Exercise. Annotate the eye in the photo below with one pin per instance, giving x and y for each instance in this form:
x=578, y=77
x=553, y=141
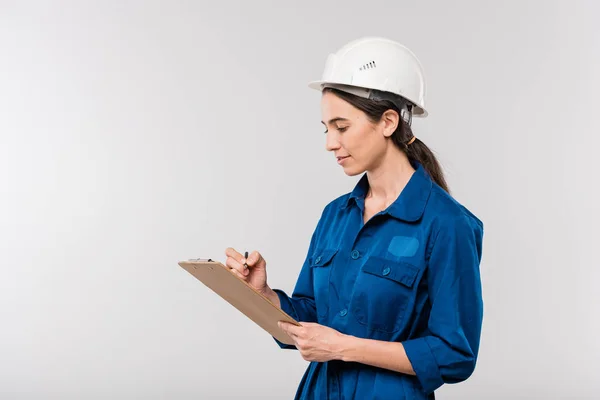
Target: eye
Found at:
x=340, y=129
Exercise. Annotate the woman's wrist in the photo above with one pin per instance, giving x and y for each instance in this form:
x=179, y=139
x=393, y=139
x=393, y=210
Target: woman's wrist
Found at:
x=271, y=295
x=346, y=347
x=378, y=353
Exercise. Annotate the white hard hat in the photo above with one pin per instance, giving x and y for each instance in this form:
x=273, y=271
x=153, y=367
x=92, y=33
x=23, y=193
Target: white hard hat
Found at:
x=372, y=67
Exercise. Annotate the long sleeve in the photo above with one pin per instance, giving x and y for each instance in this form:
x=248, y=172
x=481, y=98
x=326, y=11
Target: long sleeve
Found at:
x=448, y=353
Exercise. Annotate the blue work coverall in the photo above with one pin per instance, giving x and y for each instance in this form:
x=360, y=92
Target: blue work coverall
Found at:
x=410, y=274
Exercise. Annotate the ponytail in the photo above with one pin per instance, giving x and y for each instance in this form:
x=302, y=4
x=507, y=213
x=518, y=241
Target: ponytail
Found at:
x=418, y=151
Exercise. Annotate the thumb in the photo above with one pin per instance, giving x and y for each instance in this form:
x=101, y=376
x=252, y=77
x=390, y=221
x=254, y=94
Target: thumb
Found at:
x=283, y=325
x=254, y=258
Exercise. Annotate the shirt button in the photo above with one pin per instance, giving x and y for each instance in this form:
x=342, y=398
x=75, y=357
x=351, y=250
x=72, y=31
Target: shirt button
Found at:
x=343, y=312
x=386, y=271
x=355, y=254
x=318, y=260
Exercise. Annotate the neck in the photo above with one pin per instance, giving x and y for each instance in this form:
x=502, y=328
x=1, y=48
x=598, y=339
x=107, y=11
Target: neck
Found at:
x=389, y=178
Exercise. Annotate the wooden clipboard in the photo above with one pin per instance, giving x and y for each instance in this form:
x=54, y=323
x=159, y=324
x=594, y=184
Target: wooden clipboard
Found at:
x=241, y=295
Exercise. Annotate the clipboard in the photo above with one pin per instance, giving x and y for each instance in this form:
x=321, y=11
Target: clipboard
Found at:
x=241, y=295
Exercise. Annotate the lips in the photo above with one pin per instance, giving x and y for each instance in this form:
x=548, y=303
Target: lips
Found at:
x=340, y=160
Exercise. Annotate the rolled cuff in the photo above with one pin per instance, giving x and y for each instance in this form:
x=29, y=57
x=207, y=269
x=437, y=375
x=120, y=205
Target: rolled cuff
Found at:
x=424, y=364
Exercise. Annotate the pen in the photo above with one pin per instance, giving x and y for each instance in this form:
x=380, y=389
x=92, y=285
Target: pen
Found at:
x=246, y=258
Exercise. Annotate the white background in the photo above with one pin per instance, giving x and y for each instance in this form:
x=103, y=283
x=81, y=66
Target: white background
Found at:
x=136, y=134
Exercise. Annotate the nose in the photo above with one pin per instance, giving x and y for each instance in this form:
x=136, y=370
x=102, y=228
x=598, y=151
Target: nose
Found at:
x=331, y=142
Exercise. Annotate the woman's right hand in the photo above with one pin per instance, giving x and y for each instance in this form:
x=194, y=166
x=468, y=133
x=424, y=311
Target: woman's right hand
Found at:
x=256, y=273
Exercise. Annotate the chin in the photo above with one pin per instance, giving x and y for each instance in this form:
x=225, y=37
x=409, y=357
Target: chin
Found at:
x=353, y=171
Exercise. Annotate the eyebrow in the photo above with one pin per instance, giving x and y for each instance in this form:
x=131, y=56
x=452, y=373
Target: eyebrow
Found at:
x=331, y=121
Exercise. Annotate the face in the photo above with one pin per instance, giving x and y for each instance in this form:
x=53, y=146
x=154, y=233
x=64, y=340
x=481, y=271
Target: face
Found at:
x=358, y=144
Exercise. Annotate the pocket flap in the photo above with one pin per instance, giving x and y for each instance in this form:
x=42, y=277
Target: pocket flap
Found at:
x=398, y=271
x=322, y=257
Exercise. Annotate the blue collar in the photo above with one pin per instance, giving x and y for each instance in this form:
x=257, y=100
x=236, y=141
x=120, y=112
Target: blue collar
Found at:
x=409, y=206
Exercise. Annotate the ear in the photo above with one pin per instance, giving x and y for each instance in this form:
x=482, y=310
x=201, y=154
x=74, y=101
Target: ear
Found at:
x=390, y=120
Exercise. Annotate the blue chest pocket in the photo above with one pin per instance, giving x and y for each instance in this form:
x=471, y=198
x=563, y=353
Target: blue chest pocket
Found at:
x=321, y=267
x=384, y=290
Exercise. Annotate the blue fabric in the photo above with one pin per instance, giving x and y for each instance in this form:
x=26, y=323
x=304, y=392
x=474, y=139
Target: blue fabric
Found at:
x=359, y=279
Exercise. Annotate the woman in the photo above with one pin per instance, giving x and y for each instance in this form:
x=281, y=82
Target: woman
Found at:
x=389, y=297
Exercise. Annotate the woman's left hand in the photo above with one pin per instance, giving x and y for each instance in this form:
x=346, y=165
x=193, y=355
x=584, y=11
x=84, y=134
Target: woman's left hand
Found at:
x=314, y=341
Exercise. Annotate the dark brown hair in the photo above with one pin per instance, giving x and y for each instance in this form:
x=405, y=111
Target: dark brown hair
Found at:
x=416, y=151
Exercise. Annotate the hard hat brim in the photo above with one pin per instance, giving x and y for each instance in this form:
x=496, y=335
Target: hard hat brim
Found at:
x=318, y=85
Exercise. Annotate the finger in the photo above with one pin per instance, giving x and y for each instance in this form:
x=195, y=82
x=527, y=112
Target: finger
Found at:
x=283, y=326
x=244, y=260
x=231, y=252
x=254, y=258
x=290, y=329
x=284, y=330
x=236, y=265
x=235, y=272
